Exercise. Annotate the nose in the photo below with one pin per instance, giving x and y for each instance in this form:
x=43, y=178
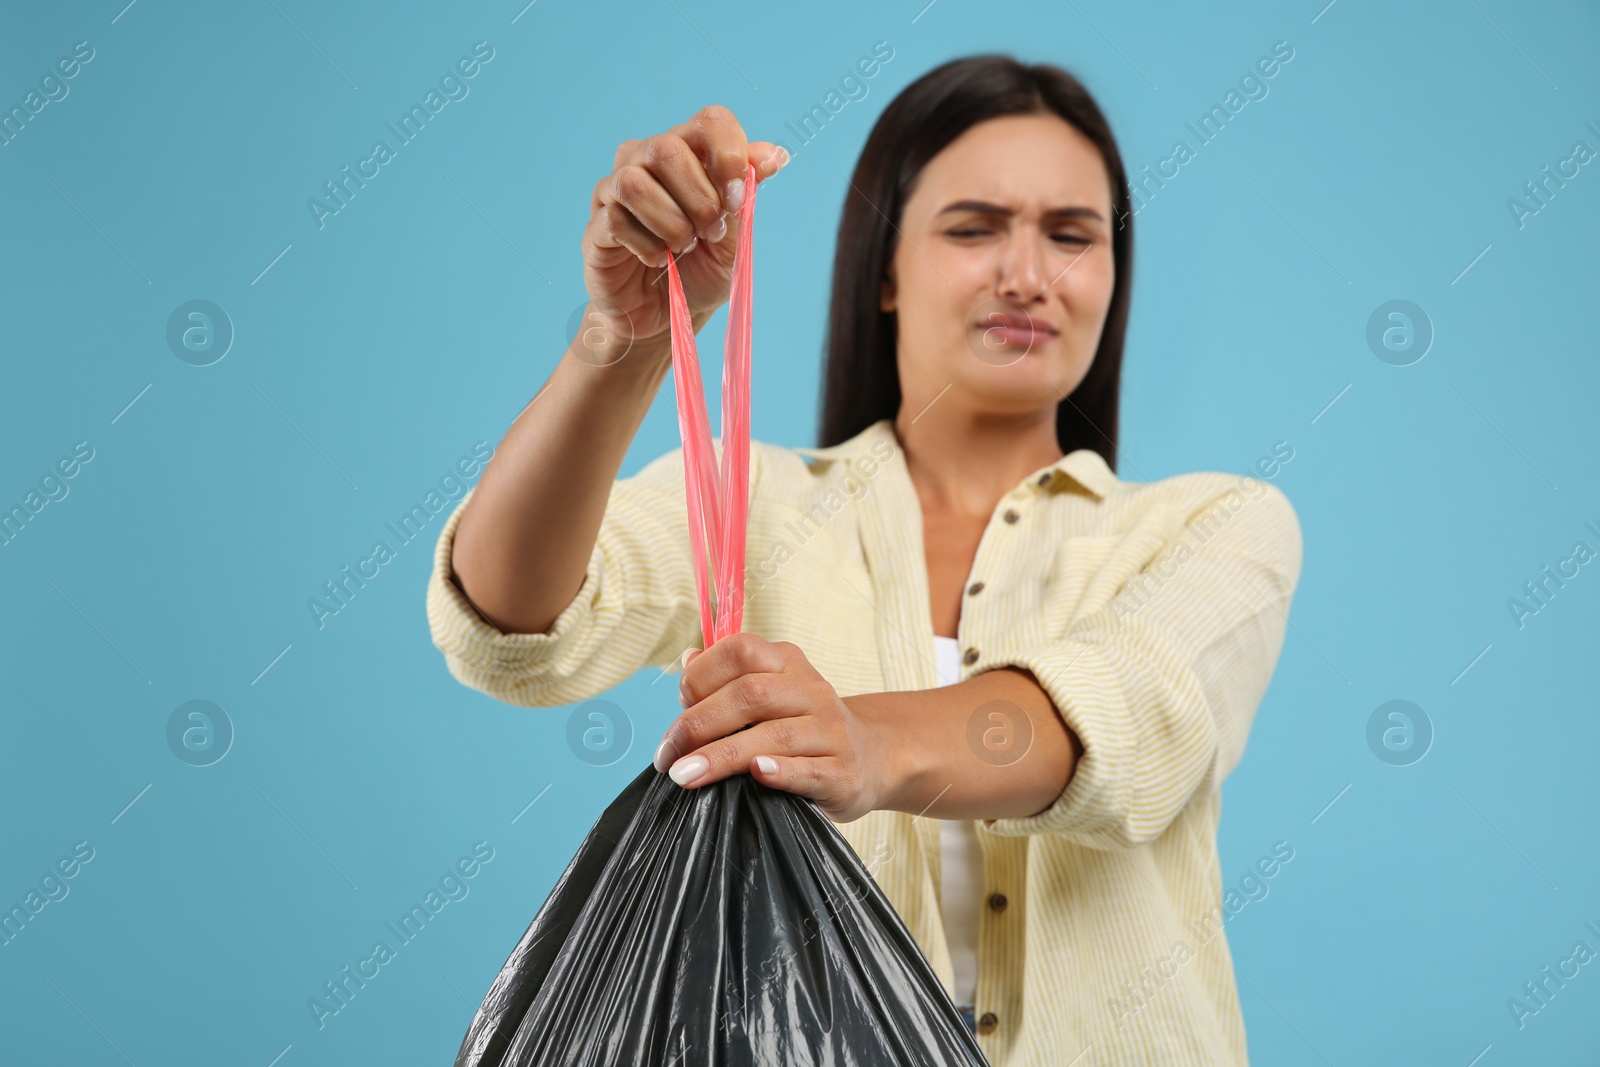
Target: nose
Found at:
x=1022, y=277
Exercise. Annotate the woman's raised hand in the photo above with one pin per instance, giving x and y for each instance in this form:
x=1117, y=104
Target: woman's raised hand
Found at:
x=678, y=190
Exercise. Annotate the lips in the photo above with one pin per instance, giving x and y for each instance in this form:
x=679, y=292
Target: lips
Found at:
x=1010, y=328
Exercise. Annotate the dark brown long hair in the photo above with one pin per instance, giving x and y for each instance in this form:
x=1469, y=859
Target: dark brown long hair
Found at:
x=861, y=380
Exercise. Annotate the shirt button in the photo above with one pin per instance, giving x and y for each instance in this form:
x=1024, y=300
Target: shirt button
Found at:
x=1011, y=515
x=997, y=902
x=987, y=1022
x=975, y=588
x=971, y=657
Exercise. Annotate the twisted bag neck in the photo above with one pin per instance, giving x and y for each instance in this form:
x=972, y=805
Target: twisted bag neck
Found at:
x=718, y=498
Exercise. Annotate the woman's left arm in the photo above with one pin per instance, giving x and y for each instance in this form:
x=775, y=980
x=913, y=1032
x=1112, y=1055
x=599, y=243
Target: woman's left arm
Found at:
x=1145, y=698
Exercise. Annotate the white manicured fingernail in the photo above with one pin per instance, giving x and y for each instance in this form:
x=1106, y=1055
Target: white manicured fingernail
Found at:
x=767, y=764
x=735, y=194
x=688, y=769
x=720, y=231
x=663, y=757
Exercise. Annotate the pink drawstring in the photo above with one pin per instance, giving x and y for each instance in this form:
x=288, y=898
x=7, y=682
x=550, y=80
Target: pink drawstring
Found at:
x=718, y=500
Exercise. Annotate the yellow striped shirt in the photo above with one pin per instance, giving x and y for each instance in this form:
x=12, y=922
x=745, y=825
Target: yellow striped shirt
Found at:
x=1152, y=613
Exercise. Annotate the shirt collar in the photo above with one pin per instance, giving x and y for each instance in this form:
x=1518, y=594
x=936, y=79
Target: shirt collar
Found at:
x=1084, y=466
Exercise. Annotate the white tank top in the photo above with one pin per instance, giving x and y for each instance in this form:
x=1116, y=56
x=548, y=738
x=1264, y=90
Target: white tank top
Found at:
x=960, y=865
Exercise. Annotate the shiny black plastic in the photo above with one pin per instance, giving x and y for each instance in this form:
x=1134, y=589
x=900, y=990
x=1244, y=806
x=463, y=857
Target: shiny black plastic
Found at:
x=730, y=925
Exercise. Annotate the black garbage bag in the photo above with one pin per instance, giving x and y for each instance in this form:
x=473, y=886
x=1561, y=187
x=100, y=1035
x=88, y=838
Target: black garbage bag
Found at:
x=730, y=925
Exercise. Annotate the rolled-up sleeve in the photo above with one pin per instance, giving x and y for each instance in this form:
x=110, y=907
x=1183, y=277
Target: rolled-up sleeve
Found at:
x=1162, y=681
x=637, y=606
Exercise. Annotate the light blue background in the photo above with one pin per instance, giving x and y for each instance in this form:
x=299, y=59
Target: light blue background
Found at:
x=424, y=316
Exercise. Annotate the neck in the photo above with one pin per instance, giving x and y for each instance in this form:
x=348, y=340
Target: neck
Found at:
x=966, y=462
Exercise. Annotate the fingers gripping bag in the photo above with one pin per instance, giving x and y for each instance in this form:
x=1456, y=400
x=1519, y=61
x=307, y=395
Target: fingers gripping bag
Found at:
x=730, y=925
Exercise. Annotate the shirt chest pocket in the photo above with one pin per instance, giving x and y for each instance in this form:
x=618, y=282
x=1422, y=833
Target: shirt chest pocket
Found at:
x=806, y=581
x=1087, y=573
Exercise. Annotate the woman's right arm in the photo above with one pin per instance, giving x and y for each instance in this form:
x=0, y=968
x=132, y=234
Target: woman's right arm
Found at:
x=526, y=534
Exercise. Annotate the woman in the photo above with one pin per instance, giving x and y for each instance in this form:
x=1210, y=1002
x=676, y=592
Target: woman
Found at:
x=1015, y=681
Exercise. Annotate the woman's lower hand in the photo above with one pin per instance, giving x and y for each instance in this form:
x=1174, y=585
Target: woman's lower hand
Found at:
x=759, y=706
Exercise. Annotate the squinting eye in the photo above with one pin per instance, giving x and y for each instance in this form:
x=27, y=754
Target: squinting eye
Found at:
x=1073, y=237
x=966, y=233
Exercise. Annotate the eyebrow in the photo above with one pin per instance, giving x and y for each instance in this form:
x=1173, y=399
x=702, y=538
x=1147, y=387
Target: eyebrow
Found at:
x=985, y=208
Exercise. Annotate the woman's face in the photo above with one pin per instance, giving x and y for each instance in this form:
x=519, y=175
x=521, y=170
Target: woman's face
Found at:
x=1009, y=226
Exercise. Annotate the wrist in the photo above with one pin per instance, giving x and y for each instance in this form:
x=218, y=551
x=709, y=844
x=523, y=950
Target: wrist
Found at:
x=600, y=342
x=893, y=756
